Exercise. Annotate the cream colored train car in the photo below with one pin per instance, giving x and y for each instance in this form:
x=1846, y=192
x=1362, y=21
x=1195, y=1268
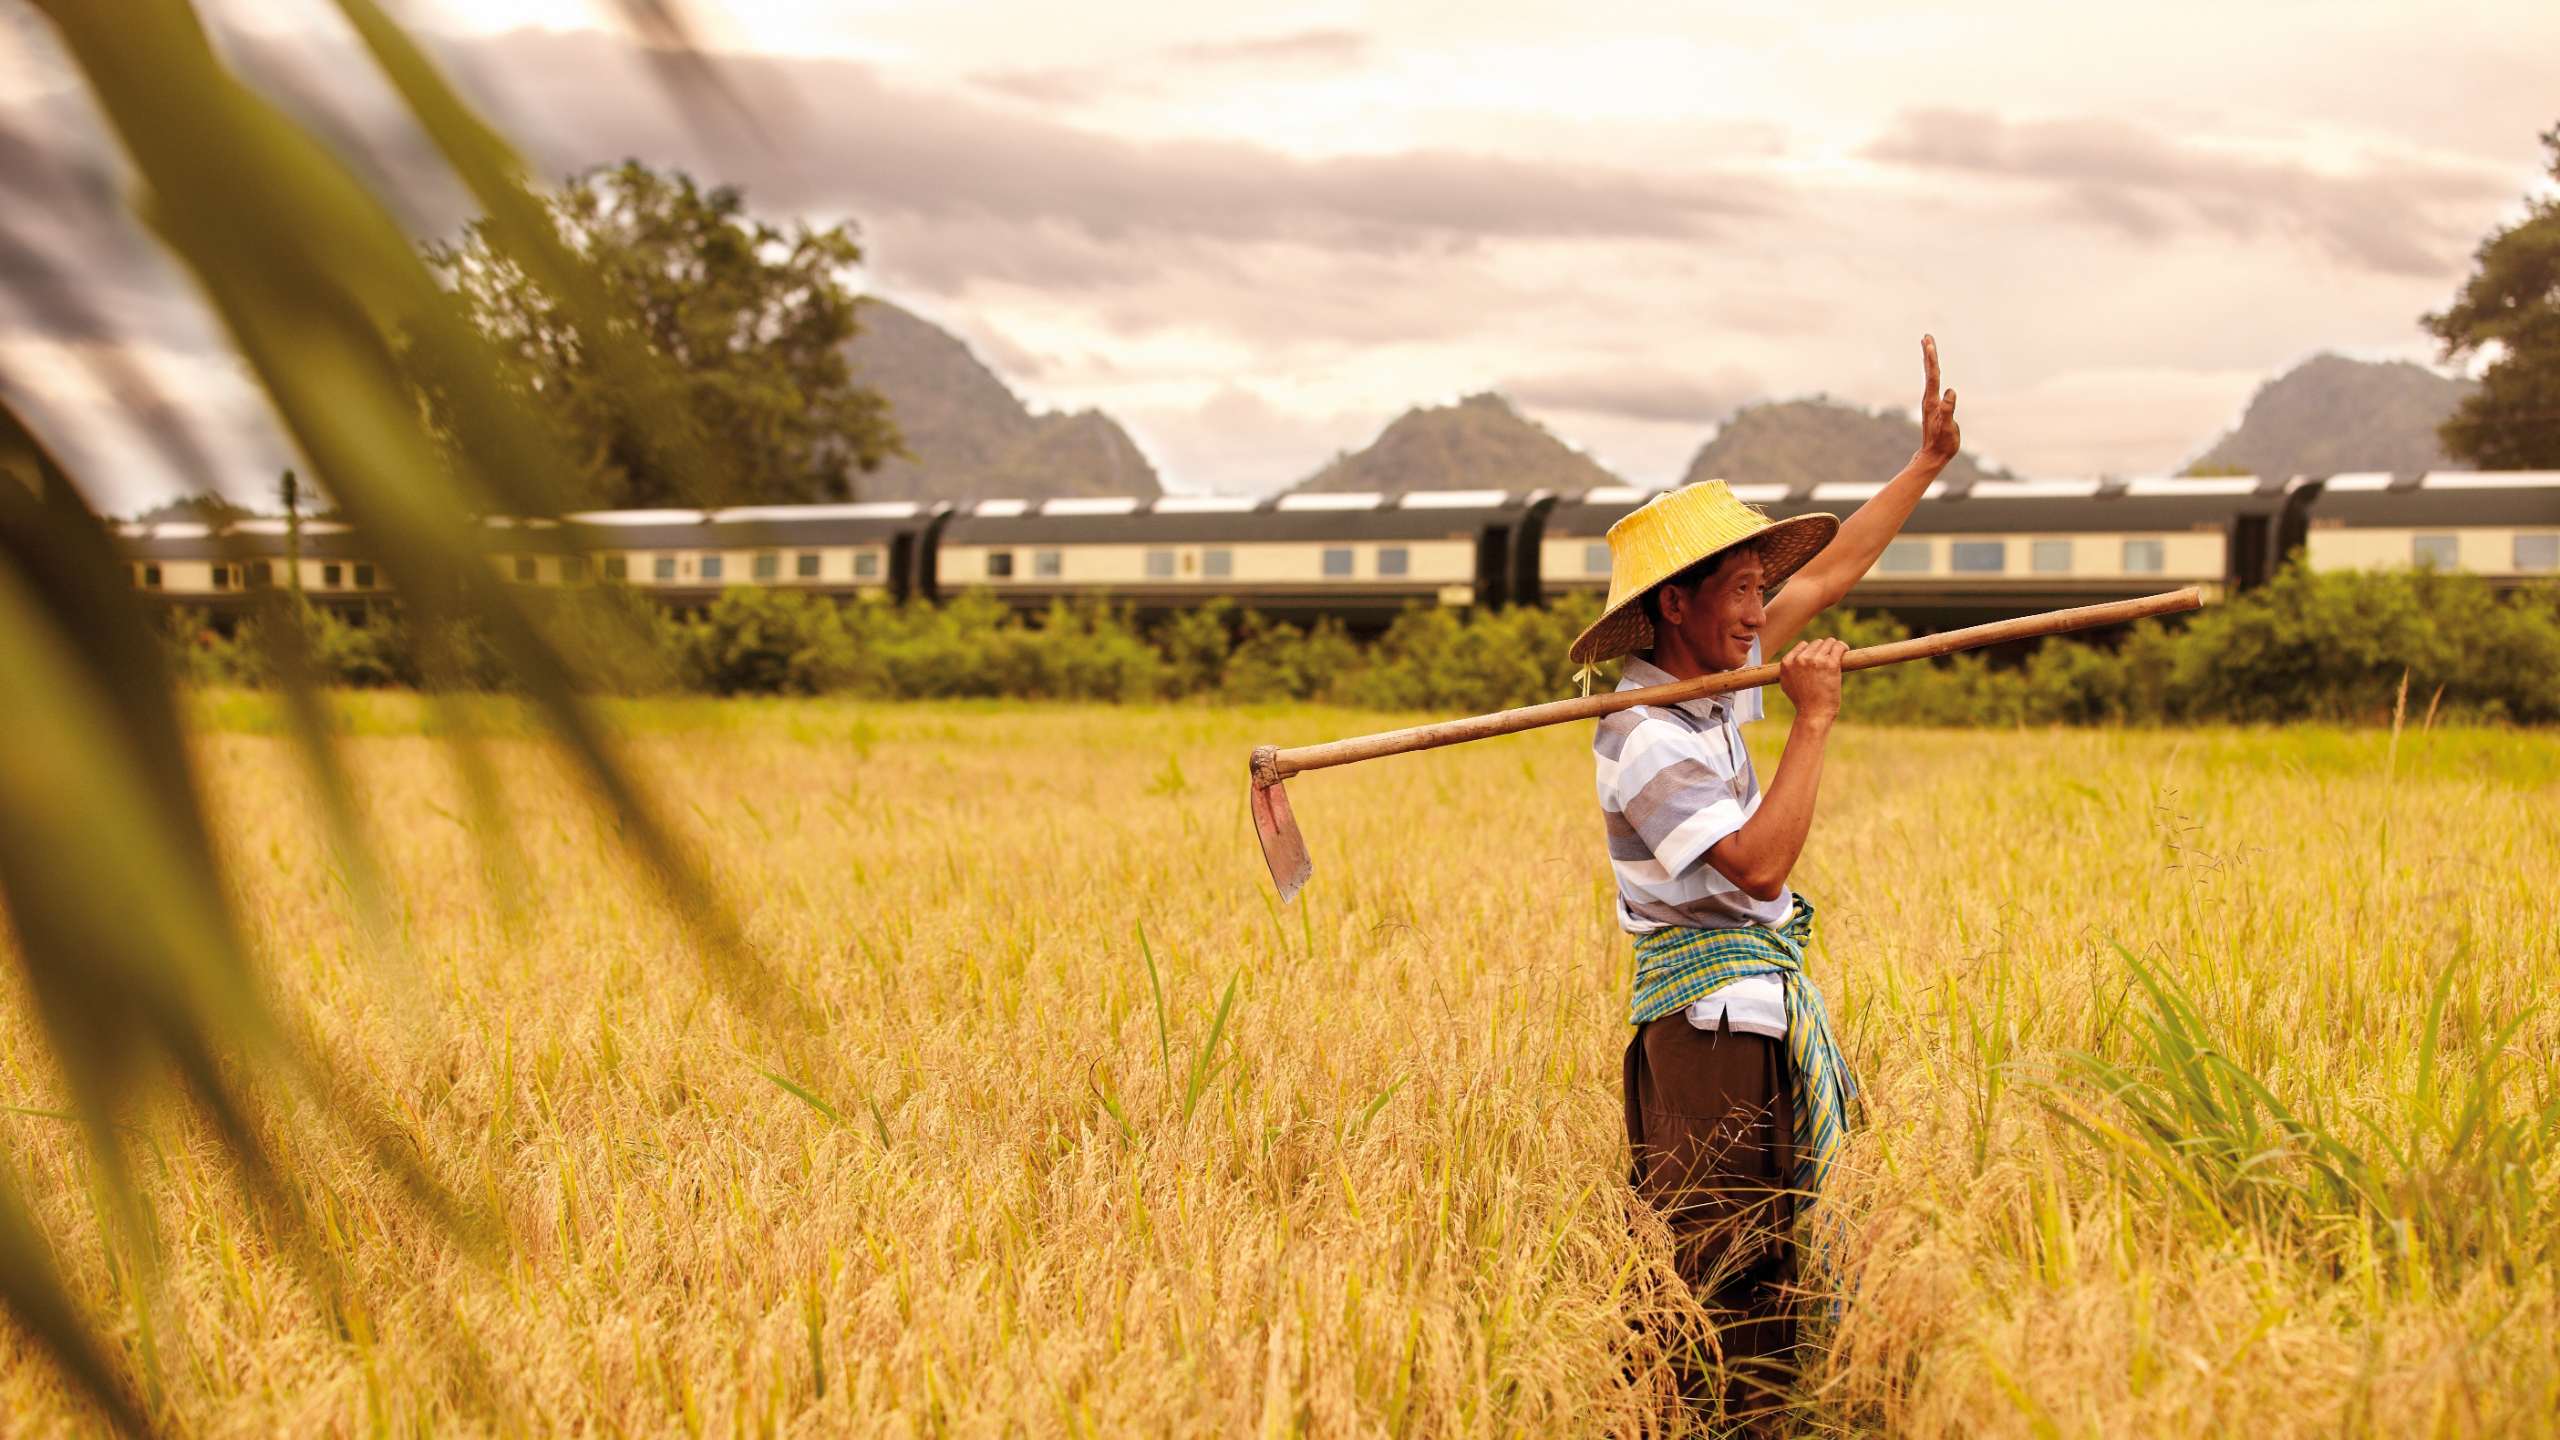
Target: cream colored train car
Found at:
x=871, y=550
x=1348, y=555
x=2000, y=546
x=220, y=569
x=2502, y=525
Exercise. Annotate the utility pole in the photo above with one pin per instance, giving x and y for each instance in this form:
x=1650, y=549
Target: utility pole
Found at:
x=292, y=493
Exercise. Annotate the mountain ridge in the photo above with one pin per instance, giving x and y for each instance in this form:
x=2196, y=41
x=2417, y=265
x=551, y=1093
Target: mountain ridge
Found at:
x=1482, y=442
x=1805, y=442
x=2330, y=415
x=969, y=436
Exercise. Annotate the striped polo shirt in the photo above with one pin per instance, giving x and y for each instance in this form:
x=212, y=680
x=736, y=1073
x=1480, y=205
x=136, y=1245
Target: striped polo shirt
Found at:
x=1674, y=780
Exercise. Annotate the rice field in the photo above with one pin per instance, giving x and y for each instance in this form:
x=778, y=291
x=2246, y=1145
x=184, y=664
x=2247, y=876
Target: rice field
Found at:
x=2212, y=1076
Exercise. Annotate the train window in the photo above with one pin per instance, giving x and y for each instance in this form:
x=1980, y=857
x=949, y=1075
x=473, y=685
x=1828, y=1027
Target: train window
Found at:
x=713, y=566
x=2145, y=557
x=262, y=573
x=999, y=564
x=151, y=573
x=1047, y=564
x=220, y=577
x=1337, y=560
x=768, y=565
x=1595, y=559
x=1218, y=564
x=1907, y=557
x=866, y=565
x=1977, y=557
x=364, y=577
x=573, y=569
x=663, y=568
x=331, y=576
x=2049, y=557
x=806, y=564
x=2434, y=552
x=617, y=567
x=2533, y=552
x=524, y=569
x=1159, y=564
x=1394, y=560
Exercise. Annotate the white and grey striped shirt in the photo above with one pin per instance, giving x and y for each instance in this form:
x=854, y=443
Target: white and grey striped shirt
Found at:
x=1673, y=781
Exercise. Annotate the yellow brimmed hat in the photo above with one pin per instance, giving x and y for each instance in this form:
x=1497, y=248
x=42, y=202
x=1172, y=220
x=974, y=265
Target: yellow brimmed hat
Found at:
x=1675, y=530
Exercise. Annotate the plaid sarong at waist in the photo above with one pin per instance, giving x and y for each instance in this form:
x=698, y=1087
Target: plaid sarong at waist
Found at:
x=1680, y=965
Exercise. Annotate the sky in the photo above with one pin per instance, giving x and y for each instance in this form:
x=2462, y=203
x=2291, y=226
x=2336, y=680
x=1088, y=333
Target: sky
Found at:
x=1256, y=234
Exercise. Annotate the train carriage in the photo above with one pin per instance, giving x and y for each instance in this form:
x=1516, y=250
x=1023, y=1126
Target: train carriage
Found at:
x=221, y=569
x=2000, y=546
x=1358, y=557
x=2501, y=525
x=874, y=549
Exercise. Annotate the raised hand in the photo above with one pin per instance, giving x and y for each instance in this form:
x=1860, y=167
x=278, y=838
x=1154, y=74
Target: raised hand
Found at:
x=1939, y=437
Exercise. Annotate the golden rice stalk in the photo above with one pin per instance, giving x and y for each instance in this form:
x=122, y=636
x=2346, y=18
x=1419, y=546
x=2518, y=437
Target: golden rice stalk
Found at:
x=131, y=953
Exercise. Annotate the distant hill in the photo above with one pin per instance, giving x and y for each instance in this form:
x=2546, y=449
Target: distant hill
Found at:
x=2330, y=414
x=1480, y=443
x=972, y=437
x=1800, y=443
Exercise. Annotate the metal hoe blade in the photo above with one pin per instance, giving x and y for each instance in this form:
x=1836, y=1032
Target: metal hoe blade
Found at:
x=1283, y=848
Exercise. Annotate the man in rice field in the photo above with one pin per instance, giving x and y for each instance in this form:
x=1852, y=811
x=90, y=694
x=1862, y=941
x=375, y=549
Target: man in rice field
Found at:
x=1736, y=1097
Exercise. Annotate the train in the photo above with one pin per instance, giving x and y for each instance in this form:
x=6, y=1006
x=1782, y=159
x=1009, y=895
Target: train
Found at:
x=1978, y=551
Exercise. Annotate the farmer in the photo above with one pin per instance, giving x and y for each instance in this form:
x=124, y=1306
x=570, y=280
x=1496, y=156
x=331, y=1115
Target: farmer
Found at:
x=1736, y=1097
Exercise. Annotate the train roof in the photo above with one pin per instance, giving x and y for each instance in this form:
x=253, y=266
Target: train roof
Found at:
x=2162, y=502
x=1297, y=516
x=240, y=540
x=2167, y=502
x=747, y=527
x=2439, y=497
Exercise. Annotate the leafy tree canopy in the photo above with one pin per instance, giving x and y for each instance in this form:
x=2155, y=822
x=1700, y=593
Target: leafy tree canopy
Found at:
x=195, y=509
x=2510, y=309
x=745, y=395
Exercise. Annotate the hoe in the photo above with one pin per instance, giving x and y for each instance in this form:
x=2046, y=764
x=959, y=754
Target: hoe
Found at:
x=1285, y=850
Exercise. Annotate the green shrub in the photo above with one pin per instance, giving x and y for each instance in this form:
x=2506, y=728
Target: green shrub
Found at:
x=616, y=640
x=2306, y=646
x=766, y=642
x=1277, y=661
x=369, y=651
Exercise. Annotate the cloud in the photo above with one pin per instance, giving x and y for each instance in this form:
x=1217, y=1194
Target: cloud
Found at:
x=1636, y=393
x=1243, y=442
x=2079, y=422
x=1621, y=255
x=882, y=150
x=1061, y=85
x=2388, y=215
x=1068, y=85
x=1323, y=47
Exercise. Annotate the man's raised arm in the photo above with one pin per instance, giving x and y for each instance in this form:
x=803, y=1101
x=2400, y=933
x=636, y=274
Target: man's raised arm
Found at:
x=1827, y=577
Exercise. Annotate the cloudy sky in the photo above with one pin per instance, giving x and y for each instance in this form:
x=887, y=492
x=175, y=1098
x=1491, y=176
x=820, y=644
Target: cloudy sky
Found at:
x=1256, y=234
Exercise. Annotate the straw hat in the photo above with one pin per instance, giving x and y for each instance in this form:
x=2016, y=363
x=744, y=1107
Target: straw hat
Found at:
x=1675, y=530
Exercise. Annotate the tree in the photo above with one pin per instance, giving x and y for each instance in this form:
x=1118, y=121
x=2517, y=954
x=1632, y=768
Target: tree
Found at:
x=740, y=327
x=2510, y=309
x=215, y=510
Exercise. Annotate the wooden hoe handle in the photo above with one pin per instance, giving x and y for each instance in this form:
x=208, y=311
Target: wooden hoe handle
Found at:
x=1271, y=765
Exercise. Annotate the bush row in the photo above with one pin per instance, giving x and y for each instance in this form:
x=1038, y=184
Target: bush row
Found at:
x=2307, y=646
